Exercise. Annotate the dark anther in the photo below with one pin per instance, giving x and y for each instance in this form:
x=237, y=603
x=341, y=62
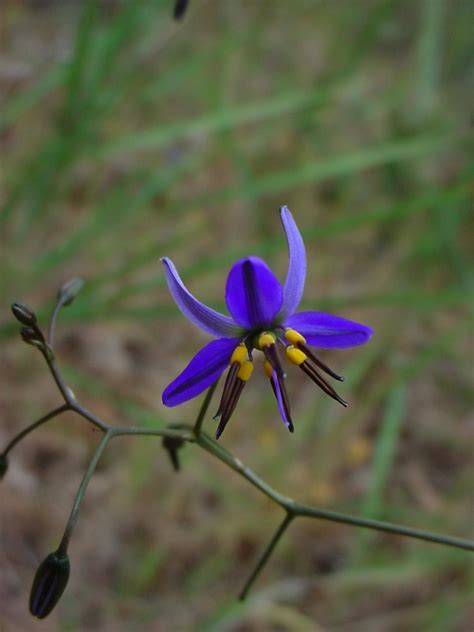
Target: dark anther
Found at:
x=24, y=314
x=180, y=7
x=319, y=362
x=49, y=583
x=228, y=387
x=230, y=404
x=321, y=382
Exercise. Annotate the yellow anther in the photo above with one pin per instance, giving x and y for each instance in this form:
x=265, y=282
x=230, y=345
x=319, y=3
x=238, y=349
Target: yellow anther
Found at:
x=295, y=356
x=294, y=337
x=239, y=355
x=267, y=367
x=266, y=339
x=245, y=370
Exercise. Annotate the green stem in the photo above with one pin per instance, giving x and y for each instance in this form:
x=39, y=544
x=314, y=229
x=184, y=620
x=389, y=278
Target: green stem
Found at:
x=297, y=509
x=266, y=554
x=62, y=549
x=33, y=426
x=52, y=322
x=185, y=433
x=203, y=410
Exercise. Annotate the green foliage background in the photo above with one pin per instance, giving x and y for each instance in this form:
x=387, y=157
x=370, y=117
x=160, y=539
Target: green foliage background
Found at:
x=126, y=137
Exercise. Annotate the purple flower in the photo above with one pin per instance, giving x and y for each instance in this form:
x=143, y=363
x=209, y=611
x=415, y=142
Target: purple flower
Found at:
x=263, y=318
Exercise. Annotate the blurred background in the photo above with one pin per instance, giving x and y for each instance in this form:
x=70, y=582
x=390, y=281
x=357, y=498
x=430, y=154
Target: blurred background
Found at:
x=126, y=136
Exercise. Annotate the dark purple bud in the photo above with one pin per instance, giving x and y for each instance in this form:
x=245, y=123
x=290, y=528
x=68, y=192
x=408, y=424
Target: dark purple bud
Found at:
x=3, y=465
x=70, y=290
x=180, y=7
x=30, y=335
x=24, y=314
x=48, y=585
x=172, y=445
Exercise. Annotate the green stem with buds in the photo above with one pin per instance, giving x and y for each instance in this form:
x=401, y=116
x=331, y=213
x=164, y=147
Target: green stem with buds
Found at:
x=191, y=434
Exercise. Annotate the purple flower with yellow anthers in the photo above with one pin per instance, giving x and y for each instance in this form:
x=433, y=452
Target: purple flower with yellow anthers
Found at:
x=263, y=318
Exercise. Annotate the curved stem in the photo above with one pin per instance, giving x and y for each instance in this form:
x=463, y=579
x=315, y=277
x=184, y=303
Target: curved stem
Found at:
x=308, y=511
x=52, y=322
x=62, y=549
x=266, y=554
x=33, y=426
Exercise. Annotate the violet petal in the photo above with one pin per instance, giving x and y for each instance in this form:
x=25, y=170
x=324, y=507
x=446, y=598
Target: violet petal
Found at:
x=253, y=293
x=295, y=278
x=198, y=313
x=327, y=331
x=203, y=370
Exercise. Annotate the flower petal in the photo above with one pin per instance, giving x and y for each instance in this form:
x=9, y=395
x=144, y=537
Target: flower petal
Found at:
x=253, y=293
x=295, y=278
x=203, y=370
x=328, y=331
x=201, y=315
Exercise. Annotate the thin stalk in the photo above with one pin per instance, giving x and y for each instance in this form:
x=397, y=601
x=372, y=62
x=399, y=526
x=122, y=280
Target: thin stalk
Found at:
x=298, y=509
x=185, y=433
x=266, y=554
x=53, y=321
x=33, y=426
x=62, y=549
x=203, y=410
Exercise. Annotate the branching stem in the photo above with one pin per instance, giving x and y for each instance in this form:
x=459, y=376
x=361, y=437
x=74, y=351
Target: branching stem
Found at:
x=194, y=434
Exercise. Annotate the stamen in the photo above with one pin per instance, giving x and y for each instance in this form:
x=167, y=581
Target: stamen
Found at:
x=294, y=337
x=285, y=401
x=304, y=347
x=234, y=396
x=237, y=360
x=245, y=371
x=267, y=367
x=228, y=385
x=298, y=357
x=270, y=373
x=321, y=382
x=239, y=373
x=295, y=356
x=266, y=342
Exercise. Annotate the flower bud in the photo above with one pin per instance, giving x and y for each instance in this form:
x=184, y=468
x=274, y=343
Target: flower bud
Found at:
x=24, y=314
x=29, y=335
x=70, y=290
x=3, y=465
x=49, y=583
x=172, y=445
x=180, y=7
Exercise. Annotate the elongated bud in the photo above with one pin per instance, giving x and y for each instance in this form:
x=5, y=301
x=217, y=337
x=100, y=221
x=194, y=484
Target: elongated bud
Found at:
x=172, y=445
x=180, y=7
x=70, y=290
x=30, y=336
x=3, y=465
x=49, y=583
x=24, y=314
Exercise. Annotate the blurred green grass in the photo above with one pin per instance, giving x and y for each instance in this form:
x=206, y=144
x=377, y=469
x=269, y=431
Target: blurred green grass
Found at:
x=129, y=138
